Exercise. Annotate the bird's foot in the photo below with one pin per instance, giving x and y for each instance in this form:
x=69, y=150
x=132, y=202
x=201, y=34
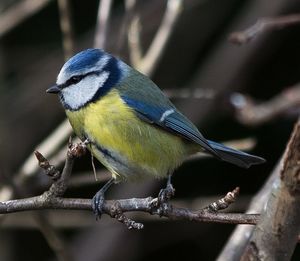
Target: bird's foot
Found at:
x=98, y=200
x=98, y=203
x=166, y=194
x=164, y=197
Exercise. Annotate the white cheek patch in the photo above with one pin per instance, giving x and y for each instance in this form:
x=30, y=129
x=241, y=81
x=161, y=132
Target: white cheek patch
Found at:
x=77, y=95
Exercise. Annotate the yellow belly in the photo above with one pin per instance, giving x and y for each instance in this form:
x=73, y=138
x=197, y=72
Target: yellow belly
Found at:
x=126, y=145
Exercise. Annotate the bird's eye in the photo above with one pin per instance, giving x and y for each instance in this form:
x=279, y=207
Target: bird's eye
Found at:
x=74, y=79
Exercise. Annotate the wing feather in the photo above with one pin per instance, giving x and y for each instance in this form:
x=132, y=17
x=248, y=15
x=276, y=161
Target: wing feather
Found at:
x=170, y=120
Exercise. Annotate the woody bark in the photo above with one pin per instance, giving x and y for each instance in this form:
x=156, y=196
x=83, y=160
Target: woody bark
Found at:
x=276, y=234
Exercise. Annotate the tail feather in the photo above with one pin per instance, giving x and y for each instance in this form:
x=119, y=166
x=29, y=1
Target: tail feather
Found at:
x=236, y=157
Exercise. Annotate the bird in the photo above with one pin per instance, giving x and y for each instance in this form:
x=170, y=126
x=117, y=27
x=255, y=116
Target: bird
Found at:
x=129, y=124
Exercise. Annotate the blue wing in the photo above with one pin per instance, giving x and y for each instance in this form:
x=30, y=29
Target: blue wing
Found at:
x=152, y=106
x=169, y=119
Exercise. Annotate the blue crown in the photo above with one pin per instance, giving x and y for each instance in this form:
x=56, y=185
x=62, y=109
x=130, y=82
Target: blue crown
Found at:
x=84, y=60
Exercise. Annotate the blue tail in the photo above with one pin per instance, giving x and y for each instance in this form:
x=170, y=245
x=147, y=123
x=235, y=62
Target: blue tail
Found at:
x=236, y=157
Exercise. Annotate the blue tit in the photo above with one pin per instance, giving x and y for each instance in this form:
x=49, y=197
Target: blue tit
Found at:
x=131, y=127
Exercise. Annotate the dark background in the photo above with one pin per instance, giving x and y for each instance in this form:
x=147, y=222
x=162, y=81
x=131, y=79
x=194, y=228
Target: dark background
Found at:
x=198, y=55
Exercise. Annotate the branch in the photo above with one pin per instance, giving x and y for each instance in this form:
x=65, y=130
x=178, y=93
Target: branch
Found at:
x=249, y=113
x=52, y=199
x=82, y=219
x=112, y=208
x=263, y=25
x=276, y=234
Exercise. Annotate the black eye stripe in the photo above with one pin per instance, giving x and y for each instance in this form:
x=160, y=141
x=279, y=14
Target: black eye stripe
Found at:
x=76, y=79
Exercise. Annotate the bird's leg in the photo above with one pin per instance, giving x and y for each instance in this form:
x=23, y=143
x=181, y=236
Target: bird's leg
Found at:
x=98, y=199
x=167, y=193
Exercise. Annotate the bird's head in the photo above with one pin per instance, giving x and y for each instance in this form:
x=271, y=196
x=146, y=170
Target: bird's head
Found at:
x=86, y=77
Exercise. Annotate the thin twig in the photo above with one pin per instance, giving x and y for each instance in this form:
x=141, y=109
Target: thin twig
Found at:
x=103, y=16
x=262, y=25
x=226, y=201
x=50, y=170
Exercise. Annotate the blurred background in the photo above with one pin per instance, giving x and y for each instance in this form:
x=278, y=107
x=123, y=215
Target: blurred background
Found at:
x=243, y=95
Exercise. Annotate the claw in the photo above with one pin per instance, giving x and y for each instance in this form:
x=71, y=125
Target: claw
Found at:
x=97, y=204
x=166, y=194
x=98, y=200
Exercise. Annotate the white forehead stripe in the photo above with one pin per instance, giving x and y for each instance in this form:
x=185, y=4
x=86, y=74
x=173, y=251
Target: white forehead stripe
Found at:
x=166, y=114
x=77, y=95
x=65, y=74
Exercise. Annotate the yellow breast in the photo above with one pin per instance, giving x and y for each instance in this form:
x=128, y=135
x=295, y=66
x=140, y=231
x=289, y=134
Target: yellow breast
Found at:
x=126, y=145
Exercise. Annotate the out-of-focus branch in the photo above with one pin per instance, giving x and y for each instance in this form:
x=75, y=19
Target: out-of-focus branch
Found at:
x=18, y=13
x=65, y=19
x=134, y=41
x=103, y=16
x=249, y=113
x=263, y=25
x=149, y=61
x=276, y=234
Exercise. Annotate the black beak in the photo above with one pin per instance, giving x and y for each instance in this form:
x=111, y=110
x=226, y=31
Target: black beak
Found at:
x=53, y=89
